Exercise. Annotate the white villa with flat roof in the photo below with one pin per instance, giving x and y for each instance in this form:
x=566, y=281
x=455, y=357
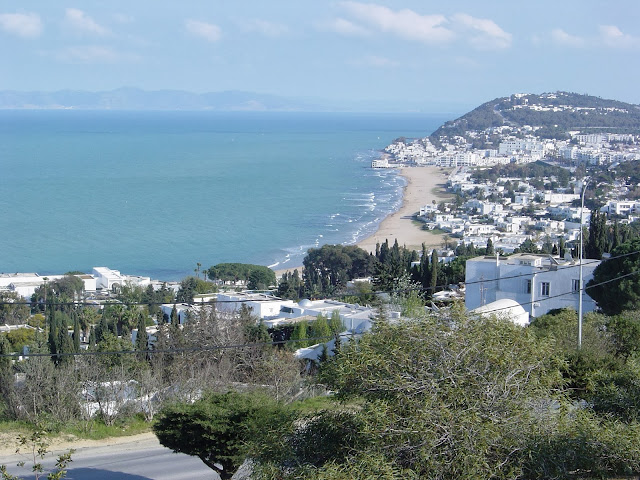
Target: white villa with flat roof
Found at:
x=537, y=282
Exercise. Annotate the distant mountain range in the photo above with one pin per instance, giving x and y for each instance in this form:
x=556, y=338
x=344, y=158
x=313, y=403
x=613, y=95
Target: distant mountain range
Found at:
x=137, y=99
x=555, y=114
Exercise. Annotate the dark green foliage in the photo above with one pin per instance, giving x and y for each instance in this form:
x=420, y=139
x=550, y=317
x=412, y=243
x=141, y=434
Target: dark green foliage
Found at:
x=598, y=241
x=154, y=298
x=328, y=268
x=290, y=285
x=257, y=276
x=465, y=399
x=5, y=362
x=299, y=336
x=174, y=318
x=76, y=332
x=319, y=330
x=191, y=286
x=219, y=428
x=622, y=288
x=142, y=339
x=434, y=272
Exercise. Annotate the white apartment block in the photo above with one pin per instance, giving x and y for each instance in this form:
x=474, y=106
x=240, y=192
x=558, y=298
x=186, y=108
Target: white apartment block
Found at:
x=537, y=282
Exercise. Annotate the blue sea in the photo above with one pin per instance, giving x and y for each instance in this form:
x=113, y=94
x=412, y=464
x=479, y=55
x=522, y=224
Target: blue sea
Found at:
x=155, y=193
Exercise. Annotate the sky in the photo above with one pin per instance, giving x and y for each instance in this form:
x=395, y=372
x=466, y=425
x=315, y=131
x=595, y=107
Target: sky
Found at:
x=414, y=54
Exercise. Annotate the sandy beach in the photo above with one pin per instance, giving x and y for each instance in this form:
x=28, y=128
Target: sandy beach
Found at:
x=424, y=184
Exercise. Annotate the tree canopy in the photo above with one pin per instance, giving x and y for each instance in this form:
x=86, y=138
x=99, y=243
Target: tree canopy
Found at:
x=616, y=285
x=217, y=427
x=258, y=276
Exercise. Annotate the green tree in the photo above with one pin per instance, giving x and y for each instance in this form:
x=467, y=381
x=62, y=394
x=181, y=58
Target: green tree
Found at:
x=434, y=272
x=435, y=399
x=615, y=286
x=220, y=427
x=320, y=331
x=335, y=323
x=490, y=249
x=299, y=336
x=13, y=309
x=142, y=339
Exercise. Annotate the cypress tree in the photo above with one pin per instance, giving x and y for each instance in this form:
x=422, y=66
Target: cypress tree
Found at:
x=434, y=272
x=92, y=337
x=175, y=319
x=490, y=249
x=300, y=334
x=5, y=362
x=76, y=332
x=64, y=344
x=142, y=339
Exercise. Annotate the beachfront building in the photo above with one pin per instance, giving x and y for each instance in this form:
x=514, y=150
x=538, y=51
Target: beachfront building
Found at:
x=261, y=305
x=538, y=282
x=108, y=279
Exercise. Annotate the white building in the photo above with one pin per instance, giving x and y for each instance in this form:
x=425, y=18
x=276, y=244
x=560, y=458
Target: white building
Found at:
x=108, y=279
x=261, y=305
x=537, y=282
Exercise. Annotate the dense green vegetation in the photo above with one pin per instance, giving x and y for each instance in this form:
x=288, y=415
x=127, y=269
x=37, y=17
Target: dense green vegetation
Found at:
x=450, y=397
x=534, y=170
x=256, y=276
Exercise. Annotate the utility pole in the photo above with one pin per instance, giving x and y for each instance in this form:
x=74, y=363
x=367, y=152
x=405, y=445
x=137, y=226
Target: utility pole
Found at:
x=585, y=182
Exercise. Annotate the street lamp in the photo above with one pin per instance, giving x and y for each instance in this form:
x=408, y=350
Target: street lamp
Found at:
x=585, y=182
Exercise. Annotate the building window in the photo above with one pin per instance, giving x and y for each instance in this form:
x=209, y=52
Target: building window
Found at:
x=575, y=285
x=544, y=289
x=528, y=286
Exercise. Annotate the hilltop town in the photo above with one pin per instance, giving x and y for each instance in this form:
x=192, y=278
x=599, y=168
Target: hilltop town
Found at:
x=513, y=183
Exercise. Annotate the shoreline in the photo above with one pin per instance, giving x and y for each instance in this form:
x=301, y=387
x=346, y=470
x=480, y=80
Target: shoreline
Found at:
x=424, y=184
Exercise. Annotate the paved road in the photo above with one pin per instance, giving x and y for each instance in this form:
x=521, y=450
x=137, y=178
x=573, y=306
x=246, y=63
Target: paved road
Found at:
x=142, y=460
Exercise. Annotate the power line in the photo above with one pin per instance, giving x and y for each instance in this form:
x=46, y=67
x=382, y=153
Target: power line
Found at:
x=173, y=350
x=276, y=342
x=215, y=302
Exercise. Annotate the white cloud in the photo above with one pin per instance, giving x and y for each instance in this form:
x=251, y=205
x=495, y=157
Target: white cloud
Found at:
x=83, y=22
x=403, y=23
x=561, y=37
x=345, y=27
x=486, y=33
x=26, y=25
x=208, y=31
x=612, y=36
x=264, y=27
x=93, y=54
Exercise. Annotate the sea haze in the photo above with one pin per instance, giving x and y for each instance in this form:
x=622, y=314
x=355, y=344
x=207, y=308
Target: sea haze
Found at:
x=153, y=193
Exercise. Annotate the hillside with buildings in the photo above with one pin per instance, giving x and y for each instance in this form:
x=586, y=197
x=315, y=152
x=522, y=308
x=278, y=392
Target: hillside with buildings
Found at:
x=553, y=114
